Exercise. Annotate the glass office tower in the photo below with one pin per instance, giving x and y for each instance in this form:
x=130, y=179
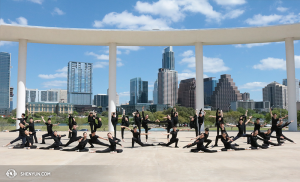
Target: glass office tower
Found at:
x=138, y=91
x=4, y=83
x=168, y=59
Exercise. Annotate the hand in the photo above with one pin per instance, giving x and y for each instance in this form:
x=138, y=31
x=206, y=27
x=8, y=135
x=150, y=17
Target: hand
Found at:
x=292, y=121
x=250, y=117
x=42, y=117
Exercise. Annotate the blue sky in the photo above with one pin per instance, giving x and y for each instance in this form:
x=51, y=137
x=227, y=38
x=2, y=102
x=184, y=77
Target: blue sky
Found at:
x=252, y=66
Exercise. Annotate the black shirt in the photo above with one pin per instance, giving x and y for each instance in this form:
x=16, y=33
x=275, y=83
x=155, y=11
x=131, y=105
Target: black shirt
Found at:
x=241, y=129
x=124, y=122
x=137, y=120
x=114, y=120
x=31, y=127
x=169, y=123
x=257, y=127
x=174, y=134
x=49, y=128
x=82, y=143
x=94, y=138
x=200, y=120
x=274, y=122
x=21, y=131
x=279, y=128
x=22, y=120
x=226, y=143
x=253, y=140
x=74, y=134
x=223, y=130
x=175, y=119
x=135, y=134
x=113, y=143
x=56, y=140
x=205, y=136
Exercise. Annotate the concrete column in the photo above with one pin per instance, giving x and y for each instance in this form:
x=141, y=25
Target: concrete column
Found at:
x=112, y=78
x=21, y=88
x=199, y=77
x=291, y=86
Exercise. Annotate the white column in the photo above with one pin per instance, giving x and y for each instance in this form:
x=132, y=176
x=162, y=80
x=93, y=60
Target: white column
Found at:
x=112, y=79
x=199, y=77
x=291, y=86
x=21, y=88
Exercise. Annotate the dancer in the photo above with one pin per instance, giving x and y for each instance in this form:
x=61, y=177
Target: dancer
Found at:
x=174, y=138
x=91, y=121
x=244, y=118
x=32, y=129
x=137, y=120
x=23, y=119
x=72, y=122
x=94, y=140
x=73, y=136
x=240, y=127
x=112, y=147
x=201, y=116
x=219, y=119
x=174, y=116
x=49, y=129
x=257, y=125
x=193, y=123
x=200, y=147
x=253, y=137
x=57, y=143
x=99, y=124
x=136, y=138
x=125, y=122
x=81, y=145
x=275, y=120
x=169, y=122
x=145, y=122
x=223, y=130
x=279, y=134
x=227, y=143
x=114, y=121
x=266, y=139
x=28, y=144
x=205, y=139
x=22, y=135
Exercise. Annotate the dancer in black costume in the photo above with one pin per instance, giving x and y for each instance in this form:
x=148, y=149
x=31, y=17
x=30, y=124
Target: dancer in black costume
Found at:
x=137, y=120
x=112, y=147
x=194, y=123
x=74, y=137
x=81, y=145
x=279, y=134
x=92, y=122
x=266, y=139
x=227, y=143
x=28, y=144
x=240, y=126
x=169, y=122
x=205, y=139
x=32, y=129
x=253, y=137
x=22, y=135
x=57, y=143
x=201, y=117
x=125, y=122
x=94, y=140
x=174, y=138
x=275, y=120
x=71, y=123
x=145, y=122
x=23, y=118
x=114, y=121
x=200, y=147
x=136, y=139
x=49, y=129
x=174, y=116
x=219, y=119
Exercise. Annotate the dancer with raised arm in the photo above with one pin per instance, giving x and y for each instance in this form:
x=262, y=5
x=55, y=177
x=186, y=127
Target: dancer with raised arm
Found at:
x=145, y=122
x=279, y=134
x=174, y=138
x=136, y=139
x=112, y=147
x=32, y=129
x=227, y=143
x=22, y=135
x=193, y=123
x=205, y=139
x=266, y=139
x=81, y=145
x=73, y=136
x=257, y=125
x=91, y=121
x=94, y=140
x=49, y=129
x=253, y=137
x=23, y=118
x=71, y=123
x=125, y=122
x=200, y=147
x=57, y=143
x=223, y=130
x=137, y=120
x=201, y=116
x=219, y=119
x=28, y=144
x=275, y=120
x=174, y=116
x=114, y=121
x=244, y=118
x=240, y=126
x=169, y=122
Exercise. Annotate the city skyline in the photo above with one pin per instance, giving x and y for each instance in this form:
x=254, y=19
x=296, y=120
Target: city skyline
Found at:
x=250, y=75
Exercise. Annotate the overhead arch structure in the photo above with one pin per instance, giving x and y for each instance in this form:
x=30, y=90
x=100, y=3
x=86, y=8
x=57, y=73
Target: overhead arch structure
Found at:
x=113, y=38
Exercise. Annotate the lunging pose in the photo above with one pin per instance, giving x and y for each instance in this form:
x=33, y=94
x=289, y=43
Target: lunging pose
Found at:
x=275, y=120
x=200, y=147
x=49, y=129
x=136, y=139
x=205, y=139
x=240, y=126
x=81, y=145
x=112, y=147
x=223, y=130
x=32, y=129
x=94, y=140
x=174, y=138
x=253, y=137
x=169, y=122
x=28, y=144
x=57, y=143
x=22, y=135
x=279, y=134
x=73, y=136
x=266, y=139
x=227, y=143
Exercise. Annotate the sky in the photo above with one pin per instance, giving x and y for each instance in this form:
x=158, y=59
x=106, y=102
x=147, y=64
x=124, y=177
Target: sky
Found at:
x=252, y=66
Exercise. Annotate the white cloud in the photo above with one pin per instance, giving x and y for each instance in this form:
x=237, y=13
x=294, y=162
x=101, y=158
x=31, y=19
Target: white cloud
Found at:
x=55, y=83
x=100, y=64
x=210, y=65
x=4, y=43
x=230, y=2
x=233, y=14
x=187, y=53
x=57, y=11
x=119, y=64
x=37, y=1
x=250, y=45
x=63, y=73
x=267, y=19
x=127, y=49
x=19, y=21
x=64, y=69
x=186, y=74
x=270, y=64
x=253, y=85
x=127, y=20
x=124, y=94
x=282, y=9
x=297, y=61
x=97, y=56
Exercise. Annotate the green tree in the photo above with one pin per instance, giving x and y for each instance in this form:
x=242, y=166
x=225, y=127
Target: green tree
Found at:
x=75, y=113
x=104, y=113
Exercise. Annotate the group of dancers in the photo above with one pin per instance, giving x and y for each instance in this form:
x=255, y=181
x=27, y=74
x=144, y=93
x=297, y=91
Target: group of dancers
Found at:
x=27, y=133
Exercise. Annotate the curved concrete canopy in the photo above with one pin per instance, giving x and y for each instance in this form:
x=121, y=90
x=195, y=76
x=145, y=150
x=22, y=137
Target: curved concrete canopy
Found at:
x=102, y=37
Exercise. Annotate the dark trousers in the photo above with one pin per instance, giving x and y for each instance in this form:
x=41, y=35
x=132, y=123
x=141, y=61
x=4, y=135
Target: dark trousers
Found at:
x=76, y=148
x=196, y=130
x=146, y=131
x=217, y=138
x=203, y=149
x=168, y=131
x=232, y=147
x=139, y=127
x=46, y=135
x=256, y=146
x=33, y=136
x=218, y=128
x=208, y=142
x=171, y=142
x=52, y=146
x=138, y=141
x=238, y=136
x=109, y=150
x=199, y=129
x=115, y=130
x=284, y=137
x=122, y=132
x=72, y=140
x=97, y=142
x=93, y=127
x=19, y=138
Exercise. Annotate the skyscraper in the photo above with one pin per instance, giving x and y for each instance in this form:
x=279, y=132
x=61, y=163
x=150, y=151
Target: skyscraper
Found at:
x=167, y=86
x=47, y=96
x=155, y=92
x=277, y=94
x=4, y=83
x=209, y=87
x=80, y=83
x=101, y=100
x=225, y=93
x=246, y=96
x=168, y=59
x=187, y=93
x=284, y=82
x=138, y=91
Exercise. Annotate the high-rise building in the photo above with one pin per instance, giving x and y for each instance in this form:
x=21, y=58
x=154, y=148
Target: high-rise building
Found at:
x=46, y=96
x=101, y=100
x=117, y=98
x=246, y=96
x=254, y=105
x=155, y=92
x=11, y=99
x=277, y=94
x=167, y=87
x=138, y=91
x=187, y=93
x=168, y=59
x=284, y=82
x=80, y=76
x=4, y=83
x=209, y=87
x=225, y=93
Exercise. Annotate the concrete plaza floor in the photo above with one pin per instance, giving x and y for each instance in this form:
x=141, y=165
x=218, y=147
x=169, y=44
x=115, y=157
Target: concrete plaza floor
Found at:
x=154, y=163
